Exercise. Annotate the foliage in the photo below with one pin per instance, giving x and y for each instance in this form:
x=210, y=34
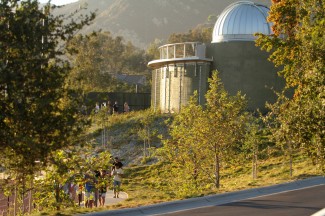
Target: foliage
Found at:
x=298, y=45
x=150, y=184
x=256, y=142
x=203, y=139
x=147, y=131
x=68, y=169
x=100, y=57
x=153, y=51
x=184, y=150
x=201, y=33
x=39, y=112
x=225, y=118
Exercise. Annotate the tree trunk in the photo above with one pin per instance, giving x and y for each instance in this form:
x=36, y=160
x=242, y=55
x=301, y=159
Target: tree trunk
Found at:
x=57, y=196
x=217, y=171
x=144, y=148
x=290, y=157
x=30, y=201
x=254, y=171
x=15, y=200
x=148, y=134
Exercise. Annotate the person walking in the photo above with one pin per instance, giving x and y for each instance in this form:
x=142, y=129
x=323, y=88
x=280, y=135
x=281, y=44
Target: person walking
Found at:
x=89, y=191
x=97, y=108
x=115, y=108
x=102, y=181
x=96, y=193
x=117, y=174
x=126, y=107
x=80, y=189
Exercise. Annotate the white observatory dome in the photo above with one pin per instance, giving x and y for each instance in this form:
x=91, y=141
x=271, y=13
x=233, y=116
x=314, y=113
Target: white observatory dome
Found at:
x=240, y=20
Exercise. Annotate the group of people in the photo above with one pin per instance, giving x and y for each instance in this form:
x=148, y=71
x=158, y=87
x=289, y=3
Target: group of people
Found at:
x=112, y=109
x=97, y=182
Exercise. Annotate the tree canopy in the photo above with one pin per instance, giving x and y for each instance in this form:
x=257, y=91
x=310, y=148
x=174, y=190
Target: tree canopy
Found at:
x=298, y=46
x=201, y=33
x=100, y=57
x=203, y=138
x=39, y=113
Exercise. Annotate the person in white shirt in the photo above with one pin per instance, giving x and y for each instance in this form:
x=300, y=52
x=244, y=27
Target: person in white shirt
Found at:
x=117, y=174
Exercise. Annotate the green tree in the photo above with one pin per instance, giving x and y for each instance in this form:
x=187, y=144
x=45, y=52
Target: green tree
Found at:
x=147, y=132
x=204, y=138
x=225, y=118
x=68, y=167
x=100, y=57
x=39, y=113
x=184, y=150
x=255, y=142
x=153, y=51
x=200, y=33
x=298, y=45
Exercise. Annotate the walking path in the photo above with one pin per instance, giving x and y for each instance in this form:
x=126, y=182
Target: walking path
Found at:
x=109, y=200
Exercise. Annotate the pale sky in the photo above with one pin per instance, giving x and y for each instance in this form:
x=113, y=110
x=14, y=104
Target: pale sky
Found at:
x=58, y=2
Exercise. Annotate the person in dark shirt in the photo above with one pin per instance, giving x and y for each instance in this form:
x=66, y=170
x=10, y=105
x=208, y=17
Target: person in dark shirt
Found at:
x=115, y=108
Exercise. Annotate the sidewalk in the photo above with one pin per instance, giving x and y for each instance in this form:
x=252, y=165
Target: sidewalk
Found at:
x=109, y=200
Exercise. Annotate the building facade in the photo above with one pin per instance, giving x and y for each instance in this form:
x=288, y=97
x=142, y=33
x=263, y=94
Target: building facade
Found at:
x=185, y=67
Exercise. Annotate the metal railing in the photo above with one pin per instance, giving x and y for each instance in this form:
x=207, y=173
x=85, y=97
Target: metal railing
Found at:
x=179, y=50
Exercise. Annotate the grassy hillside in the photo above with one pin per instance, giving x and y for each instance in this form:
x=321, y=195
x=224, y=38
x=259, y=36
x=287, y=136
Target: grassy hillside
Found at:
x=149, y=183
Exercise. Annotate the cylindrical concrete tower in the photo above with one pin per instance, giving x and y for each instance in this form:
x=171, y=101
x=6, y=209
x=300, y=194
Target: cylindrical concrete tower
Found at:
x=243, y=66
x=181, y=70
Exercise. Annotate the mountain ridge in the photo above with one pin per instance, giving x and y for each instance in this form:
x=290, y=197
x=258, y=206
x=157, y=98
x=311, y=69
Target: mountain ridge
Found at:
x=143, y=21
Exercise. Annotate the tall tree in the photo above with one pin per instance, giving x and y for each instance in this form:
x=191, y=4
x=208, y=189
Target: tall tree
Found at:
x=100, y=58
x=298, y=45
x=39, y=113
x=225, y=119
x=185, y=150
x=202, y=139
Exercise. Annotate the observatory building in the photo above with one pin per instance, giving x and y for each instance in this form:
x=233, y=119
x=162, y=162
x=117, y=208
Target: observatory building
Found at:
x=185, y=67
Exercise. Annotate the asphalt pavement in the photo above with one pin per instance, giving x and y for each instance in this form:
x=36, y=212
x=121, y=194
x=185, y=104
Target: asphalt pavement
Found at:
x=211, y=200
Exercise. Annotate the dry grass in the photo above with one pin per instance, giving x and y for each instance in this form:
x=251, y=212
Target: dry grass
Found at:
x=144, y=187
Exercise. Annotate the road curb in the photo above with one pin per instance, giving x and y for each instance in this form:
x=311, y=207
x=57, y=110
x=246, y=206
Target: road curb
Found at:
x=212, y=200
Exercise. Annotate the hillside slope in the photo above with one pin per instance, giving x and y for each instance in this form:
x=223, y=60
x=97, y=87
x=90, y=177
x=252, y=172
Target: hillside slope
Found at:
x=142, y=21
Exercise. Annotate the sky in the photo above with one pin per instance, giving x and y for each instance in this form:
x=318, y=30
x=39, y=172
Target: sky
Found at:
x=58, y=2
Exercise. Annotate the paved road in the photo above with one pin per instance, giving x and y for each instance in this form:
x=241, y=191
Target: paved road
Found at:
x=300, y=202
x=304, y=196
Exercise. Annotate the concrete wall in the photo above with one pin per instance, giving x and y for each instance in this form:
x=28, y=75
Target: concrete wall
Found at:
x=244, y=67
x=173, y=86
